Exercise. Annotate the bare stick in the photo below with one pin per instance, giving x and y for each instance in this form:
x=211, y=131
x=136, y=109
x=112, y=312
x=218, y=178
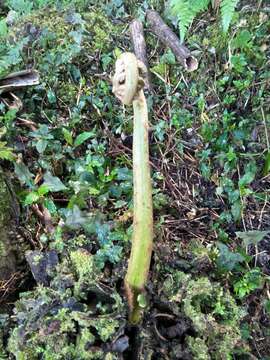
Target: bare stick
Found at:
x=18, y=80
x=139, y=46
x=168, y=38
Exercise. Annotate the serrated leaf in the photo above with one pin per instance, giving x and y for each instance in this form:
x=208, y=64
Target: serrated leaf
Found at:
x=252, y=236
x=6, y=152
x=227, y=12
x=53, y=183
x=83, y=137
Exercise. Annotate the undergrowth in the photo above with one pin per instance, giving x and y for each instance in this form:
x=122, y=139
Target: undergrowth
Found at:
x=68, y=148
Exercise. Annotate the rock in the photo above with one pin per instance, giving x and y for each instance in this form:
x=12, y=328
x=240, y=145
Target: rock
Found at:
x=42, y=264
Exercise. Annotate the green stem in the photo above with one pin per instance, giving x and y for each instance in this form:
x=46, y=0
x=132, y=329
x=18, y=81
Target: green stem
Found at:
x=142, y=241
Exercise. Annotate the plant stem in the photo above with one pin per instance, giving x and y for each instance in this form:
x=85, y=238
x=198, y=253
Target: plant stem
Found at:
x=142, y=241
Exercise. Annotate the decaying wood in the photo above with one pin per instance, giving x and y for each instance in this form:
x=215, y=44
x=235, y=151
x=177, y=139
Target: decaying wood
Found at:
x=18, y=80
x=139, y=46
x=168, y=38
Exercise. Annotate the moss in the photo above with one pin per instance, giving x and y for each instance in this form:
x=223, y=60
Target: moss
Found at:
x=198, y=348
x=83, y=263
x=213, y=311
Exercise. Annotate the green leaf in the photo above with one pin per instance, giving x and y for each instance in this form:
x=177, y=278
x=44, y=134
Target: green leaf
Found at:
x=227, y=12
x=43, y=189
x=267, y=306
x=31, y=198
x=51, y=96
x=67, y=136
x=3, y=28
x=83, y=137
x=242, y=40
x=24, y=175
x=236, y=210
x=186, y=10
x=53, y=183
x=266, y=168
x=252, y=236
x=41, y=145
x=75, y=218
x=119, y=204
x=50, y=205
x=6, y=152
x=227, y=260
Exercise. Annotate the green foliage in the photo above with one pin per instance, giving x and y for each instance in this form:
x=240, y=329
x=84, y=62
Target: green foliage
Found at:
x=250, y=281
x=227, y=8
x=209, y=152
x=227, y=260
x=251, y=237
x=186, y=11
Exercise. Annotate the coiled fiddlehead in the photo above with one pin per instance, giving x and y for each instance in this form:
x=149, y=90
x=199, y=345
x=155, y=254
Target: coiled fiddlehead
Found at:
x=128, y=85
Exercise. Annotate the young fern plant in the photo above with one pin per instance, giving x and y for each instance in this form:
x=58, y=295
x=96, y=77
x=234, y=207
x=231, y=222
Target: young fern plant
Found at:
x=187, y=10
x=128, y=85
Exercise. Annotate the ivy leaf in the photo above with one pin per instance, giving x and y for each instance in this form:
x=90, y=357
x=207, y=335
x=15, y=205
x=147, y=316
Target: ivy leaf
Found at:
x=227, y=259
x=75, y=218
x=251, y=237
x=53, y=183
x=83, y=137
x=31, y=198
x=23, y=173
x=41, y=145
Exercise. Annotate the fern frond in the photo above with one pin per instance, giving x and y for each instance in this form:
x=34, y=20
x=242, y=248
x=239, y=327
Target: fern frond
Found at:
x=181, y=9
x=227, y=12
x=186, y=10
x=198, y=5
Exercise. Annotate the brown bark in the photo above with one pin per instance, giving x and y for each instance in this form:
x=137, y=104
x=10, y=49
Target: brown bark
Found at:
x=168, y=38
x=139, y=46
x=18, y=80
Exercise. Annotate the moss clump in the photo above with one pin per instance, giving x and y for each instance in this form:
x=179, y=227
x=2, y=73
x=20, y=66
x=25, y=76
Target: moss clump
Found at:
x=75, y=315
x=214, y=313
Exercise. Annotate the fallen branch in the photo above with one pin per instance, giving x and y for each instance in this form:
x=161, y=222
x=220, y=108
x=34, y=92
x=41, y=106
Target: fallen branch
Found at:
x=168, y=38
x=18, y=80
x=139, y=46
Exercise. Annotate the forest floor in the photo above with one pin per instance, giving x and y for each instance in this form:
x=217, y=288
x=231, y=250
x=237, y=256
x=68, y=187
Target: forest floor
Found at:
x=67, y=148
